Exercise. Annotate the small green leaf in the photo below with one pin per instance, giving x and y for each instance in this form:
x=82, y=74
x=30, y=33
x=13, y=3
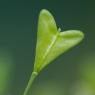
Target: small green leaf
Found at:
x=51, y=42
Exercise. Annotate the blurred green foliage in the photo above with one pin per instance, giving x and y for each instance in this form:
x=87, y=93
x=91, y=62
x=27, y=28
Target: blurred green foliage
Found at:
x=6, y=68
x=88, y=69
x=49, y=88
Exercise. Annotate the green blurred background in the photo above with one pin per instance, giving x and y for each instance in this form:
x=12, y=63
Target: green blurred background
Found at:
x=73, y=73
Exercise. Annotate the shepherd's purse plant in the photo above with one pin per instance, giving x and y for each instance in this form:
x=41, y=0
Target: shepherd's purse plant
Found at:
x=51, y=43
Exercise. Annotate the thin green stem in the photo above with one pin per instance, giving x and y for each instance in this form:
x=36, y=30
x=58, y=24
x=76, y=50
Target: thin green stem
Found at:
x=28, y=88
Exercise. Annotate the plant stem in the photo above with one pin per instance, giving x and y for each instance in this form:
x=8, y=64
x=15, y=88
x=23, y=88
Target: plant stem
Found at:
x=28, y=88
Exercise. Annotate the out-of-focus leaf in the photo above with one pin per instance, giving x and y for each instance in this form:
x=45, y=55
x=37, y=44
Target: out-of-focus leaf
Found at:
x=82, y=88
x=87, y=69
x=5, y=72
x=49, y=88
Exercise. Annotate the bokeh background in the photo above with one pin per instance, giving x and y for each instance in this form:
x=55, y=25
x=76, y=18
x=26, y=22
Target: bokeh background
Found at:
x=73, y=73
